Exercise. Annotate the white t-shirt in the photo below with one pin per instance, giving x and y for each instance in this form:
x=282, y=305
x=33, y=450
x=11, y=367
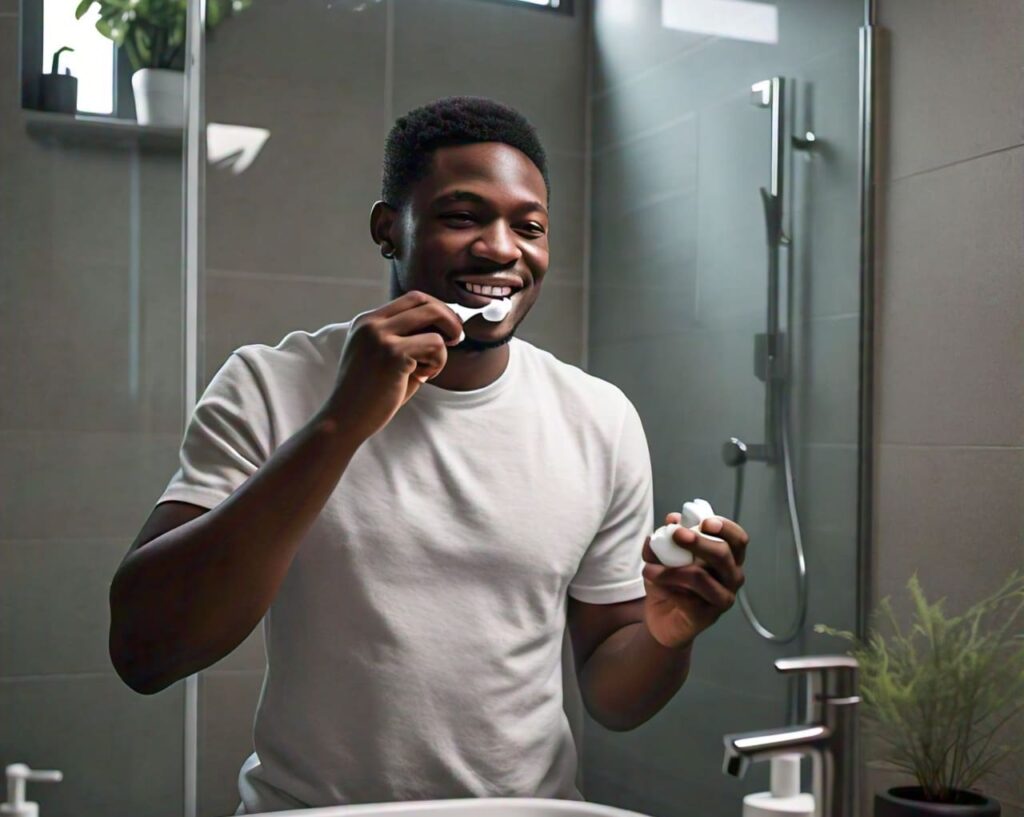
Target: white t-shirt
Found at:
x=414, y=649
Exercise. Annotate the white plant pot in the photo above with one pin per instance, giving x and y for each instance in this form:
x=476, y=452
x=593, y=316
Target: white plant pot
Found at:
x=159, y=97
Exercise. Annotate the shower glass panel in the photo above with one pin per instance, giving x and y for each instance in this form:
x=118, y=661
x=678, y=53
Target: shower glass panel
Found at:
x=658, y=283
x=679, y=292
x=90, y=424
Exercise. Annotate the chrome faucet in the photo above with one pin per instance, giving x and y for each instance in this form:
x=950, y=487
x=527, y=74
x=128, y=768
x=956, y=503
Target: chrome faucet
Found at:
x=827, y=733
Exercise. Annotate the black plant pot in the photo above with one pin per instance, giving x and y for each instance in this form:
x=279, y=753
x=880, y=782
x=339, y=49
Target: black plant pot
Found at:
x=908, y=801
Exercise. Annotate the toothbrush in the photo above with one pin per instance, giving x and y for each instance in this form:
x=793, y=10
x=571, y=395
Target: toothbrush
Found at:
x=494, y=311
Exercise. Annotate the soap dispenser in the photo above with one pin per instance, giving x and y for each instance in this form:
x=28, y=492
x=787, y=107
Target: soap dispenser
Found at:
x=17, y=775
x=785, y=797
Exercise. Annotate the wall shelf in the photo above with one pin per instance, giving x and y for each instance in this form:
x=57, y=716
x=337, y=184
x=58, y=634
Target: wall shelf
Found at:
x=99, y=131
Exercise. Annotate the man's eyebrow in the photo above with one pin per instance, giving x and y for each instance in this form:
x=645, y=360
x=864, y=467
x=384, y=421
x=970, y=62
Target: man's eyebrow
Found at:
x=465, y=195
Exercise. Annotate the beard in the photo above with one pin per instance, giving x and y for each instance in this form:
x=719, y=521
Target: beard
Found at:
x=474, y=345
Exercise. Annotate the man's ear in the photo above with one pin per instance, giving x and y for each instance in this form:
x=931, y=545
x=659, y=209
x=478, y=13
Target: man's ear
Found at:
x=384, y=226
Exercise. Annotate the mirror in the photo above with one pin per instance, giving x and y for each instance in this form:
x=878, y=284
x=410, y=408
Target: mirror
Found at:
x=708, y=255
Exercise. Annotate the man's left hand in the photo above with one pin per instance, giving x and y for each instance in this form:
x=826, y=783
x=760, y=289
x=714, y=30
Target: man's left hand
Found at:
x=684, y=601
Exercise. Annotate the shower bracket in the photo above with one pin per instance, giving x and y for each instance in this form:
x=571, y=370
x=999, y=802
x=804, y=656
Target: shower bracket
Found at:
x=769, y=356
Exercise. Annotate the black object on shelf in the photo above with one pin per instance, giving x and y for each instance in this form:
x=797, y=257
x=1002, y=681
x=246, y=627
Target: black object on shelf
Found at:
x=58, y=92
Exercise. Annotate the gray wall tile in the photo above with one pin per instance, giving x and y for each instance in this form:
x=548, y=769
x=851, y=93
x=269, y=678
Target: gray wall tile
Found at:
x=735, y=159
x=625, y=312
x=825, y=380
x=243, y=309
x=916, y=532
x=227, y=708
x=80, y=229
x=303, y=206
x=105, y=351
x=334, y=49
x=121, y=753
x=645, y=170
x=555, y=321
x=504, y=52
x=58, y=485
x=650, y=246
x=565, y=216
x=955, y=80
x=249, y=655
x=54, y=615
x=27, y=196
x=630, y=39
x=826, y=478
x=951, y=306
x=826, y=260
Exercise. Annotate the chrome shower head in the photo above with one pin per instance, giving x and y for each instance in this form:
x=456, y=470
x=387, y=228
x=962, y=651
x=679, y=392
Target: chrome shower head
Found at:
x=734, y=452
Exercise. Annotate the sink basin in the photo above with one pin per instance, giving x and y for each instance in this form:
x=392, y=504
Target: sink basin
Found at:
x=466, y=807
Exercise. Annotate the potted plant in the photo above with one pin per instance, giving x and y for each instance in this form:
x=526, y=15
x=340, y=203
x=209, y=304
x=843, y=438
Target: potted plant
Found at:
x=942, y=697
x=152, y=34
x=58, y=92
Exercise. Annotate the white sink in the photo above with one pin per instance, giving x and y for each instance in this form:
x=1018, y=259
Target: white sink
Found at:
x=465, y=807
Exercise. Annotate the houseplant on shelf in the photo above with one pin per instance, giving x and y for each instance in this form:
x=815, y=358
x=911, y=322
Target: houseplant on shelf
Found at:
x=943, y=698
x=152, y=34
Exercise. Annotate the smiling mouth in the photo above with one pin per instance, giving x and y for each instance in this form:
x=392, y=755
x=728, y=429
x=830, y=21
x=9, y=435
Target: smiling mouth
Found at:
x=479, y=299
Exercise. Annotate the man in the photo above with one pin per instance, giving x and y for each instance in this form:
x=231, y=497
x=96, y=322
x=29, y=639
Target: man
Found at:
x=415, y=509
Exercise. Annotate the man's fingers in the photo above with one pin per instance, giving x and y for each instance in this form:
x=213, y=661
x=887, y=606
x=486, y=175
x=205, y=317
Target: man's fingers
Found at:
x=648, y=553
x=735, y=535
x=430, y=316
x=699, y=582
x=430, y=354
x=717, y=555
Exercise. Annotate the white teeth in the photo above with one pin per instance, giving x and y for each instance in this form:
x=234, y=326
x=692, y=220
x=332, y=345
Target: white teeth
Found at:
x=491, y=291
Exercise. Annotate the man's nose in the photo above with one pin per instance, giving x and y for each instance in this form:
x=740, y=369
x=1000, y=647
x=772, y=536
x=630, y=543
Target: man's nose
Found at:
x=497, y=244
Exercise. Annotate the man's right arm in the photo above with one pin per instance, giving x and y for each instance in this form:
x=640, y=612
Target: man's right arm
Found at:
x=195, y=582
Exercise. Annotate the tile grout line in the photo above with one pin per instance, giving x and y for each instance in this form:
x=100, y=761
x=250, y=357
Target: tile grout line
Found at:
x=897, y=179
x=953, y=446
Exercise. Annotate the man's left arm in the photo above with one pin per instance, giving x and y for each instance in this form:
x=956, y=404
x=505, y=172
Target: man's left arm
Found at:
x=633, y=656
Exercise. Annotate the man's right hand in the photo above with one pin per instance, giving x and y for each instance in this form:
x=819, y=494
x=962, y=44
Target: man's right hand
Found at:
x=388, y=354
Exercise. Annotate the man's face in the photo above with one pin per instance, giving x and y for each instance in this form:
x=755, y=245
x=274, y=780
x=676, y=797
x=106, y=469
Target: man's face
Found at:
x=480, y=214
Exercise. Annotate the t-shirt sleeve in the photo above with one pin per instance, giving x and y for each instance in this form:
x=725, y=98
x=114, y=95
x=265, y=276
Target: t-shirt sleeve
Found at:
x=227, y=438
x=612, y=568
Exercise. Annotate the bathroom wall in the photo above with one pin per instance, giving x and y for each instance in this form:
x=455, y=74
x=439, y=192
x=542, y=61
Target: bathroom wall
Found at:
x=90, y=423
x=677, y=292
x=288, y=242
x=949, y=356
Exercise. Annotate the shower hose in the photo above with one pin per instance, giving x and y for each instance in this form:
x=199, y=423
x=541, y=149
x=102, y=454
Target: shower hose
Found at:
x=795, y=627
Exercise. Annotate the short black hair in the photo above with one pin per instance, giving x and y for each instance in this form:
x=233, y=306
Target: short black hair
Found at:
x=453, y=120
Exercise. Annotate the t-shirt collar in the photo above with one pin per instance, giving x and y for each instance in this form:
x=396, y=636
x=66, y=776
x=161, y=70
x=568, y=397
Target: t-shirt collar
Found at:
x=430, y=394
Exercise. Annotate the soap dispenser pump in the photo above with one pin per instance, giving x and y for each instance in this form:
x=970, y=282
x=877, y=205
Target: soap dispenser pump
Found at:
x=785, y=797
x=17, y=775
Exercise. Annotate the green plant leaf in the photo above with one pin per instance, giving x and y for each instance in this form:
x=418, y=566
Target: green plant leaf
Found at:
x=941, y=693
x=82, y=8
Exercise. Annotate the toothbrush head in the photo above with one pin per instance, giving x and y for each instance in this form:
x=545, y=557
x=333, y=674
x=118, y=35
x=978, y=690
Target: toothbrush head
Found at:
x=497, y=310
x=494, y=311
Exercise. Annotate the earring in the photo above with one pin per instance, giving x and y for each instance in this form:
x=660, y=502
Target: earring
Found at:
x=387, y=253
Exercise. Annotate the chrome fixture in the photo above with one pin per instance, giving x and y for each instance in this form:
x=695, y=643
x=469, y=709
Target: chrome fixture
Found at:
x=805, y=142
x=827, y=733
x=772, y=363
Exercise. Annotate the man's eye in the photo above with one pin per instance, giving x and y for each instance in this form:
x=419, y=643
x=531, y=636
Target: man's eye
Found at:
x=462, y=218
x=534, y=229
